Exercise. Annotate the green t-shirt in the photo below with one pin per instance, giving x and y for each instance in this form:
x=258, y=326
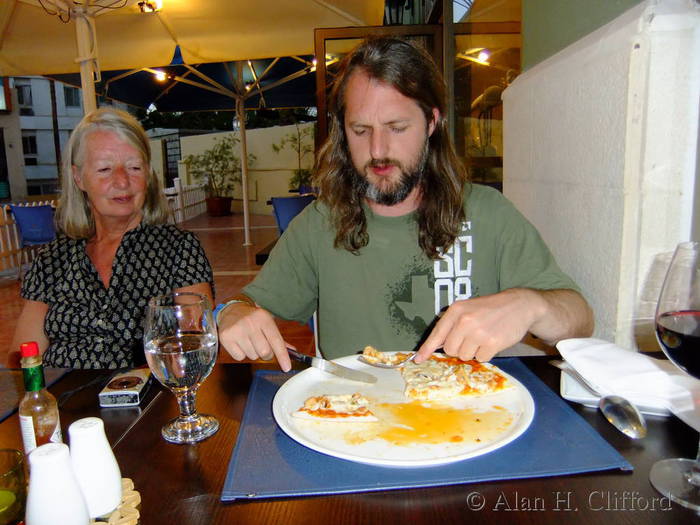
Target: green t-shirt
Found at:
x=389, y=294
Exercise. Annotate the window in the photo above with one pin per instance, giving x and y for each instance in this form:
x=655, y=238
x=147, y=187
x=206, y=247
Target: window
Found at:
x=71, y=96
x=24, y=97
x=172, y=155
x=29, y=148
x=5, y=98
x=42, y=187
x=487, y=60
x=29, y=143
x=24, y=94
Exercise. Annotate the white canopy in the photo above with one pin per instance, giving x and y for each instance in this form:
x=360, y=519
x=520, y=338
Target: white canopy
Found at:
x=34, y=42
x=43, y=37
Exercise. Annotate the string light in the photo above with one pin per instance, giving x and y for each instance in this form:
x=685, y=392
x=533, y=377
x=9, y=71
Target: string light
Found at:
x=150, y=6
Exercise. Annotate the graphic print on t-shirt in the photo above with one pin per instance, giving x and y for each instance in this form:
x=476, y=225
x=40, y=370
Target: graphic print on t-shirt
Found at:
x=436, y=283
x=405, y=297
x=453, y=271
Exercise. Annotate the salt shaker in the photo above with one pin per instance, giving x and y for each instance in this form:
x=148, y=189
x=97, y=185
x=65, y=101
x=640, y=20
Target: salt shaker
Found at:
x=95, y=466
x=54, y=495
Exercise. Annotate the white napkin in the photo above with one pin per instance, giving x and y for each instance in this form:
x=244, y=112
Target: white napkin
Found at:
x=645, y=381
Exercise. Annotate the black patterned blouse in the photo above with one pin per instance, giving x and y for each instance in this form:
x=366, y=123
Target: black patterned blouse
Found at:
x=89, y=326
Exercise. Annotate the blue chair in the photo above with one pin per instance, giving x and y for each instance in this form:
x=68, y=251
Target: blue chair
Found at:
x=35, y=226
x=307, y=188
x=286, y=208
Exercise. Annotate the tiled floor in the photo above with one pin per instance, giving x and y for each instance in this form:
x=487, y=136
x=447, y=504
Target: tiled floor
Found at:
x=222, y=238
x=233, y=264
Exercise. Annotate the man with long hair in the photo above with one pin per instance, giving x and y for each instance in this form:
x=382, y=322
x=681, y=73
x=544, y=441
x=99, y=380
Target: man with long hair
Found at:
x=400, y=251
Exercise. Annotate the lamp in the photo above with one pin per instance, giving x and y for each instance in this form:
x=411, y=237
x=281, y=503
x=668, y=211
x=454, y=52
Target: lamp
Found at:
x=479, y=55
x=150, y=6
x=484, y=55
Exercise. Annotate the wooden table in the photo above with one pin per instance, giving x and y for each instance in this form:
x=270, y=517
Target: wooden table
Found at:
x=182, y=484
x=264, y=253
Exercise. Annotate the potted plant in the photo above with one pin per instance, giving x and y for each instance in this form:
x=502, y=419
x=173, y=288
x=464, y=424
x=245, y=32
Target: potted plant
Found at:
x=218, y=170
x=301, y=142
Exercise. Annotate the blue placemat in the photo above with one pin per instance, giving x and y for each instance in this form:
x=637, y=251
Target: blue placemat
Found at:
x=266, y=463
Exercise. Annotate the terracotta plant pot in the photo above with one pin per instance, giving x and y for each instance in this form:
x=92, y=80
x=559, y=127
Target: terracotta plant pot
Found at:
x=219, y=206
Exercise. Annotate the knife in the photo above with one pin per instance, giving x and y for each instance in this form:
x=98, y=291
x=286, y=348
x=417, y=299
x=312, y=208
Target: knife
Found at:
x=332, y=368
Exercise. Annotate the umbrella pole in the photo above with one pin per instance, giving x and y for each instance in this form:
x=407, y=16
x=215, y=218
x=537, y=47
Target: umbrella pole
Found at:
x=85, y=35
x=240, y=113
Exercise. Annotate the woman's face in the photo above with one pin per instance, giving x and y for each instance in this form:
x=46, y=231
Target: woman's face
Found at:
x=113, y=175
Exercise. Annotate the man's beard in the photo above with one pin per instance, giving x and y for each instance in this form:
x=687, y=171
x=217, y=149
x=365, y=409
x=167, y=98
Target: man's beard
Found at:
x=410, y=177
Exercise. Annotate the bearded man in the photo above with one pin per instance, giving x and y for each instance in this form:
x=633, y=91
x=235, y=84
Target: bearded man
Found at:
x=400, y=251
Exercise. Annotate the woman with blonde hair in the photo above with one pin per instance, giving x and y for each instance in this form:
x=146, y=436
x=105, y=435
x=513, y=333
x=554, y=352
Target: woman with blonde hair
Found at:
x=86, y=292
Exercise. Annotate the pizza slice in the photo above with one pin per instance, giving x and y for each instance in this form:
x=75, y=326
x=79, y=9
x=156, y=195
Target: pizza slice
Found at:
x=481, y=378
x=373, y=355
x=431, y=380
x=336, y=407
x=445, y=378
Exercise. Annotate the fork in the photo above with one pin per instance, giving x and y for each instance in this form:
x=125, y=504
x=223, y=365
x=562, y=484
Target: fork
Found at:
x=385, y=365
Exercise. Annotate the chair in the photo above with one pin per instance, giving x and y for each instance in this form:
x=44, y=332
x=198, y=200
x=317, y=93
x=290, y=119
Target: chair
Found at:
x=307, y=188
x=35, y=226
x=286, y=208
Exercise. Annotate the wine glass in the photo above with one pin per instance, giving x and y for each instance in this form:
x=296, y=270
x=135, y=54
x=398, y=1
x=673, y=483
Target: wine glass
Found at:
x=678, y=333
x=180, y=342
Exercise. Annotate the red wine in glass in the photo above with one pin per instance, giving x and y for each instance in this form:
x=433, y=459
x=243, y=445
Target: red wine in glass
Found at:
x=679, y=333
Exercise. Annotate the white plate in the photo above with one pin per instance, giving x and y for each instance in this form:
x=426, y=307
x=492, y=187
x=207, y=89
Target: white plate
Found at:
x=572, y=390
x=332, y=437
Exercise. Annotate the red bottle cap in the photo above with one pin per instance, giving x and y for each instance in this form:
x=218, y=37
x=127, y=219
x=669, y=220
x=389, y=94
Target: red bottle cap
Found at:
x=29, y=349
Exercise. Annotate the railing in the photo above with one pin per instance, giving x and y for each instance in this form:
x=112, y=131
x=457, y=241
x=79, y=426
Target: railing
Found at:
x=9, y=238
x=185, y=202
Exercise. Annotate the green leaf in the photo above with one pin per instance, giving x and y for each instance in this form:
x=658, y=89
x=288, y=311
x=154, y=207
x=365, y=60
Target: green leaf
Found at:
x=218, y=169
x=301, y=141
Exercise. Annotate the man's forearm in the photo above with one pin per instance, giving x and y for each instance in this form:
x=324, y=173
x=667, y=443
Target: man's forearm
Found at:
x=564, y=314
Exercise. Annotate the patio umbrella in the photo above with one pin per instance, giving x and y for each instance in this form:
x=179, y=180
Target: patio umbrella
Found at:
x=41, y=37
x=44, y=37
x=272, y=83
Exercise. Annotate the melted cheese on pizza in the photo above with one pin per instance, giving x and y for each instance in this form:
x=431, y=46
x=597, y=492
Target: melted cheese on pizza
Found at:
x=340, y=407
x=441, y=378
x=430, y=380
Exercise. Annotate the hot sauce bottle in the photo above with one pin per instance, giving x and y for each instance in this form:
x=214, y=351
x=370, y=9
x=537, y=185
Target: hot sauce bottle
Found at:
x=38, y=410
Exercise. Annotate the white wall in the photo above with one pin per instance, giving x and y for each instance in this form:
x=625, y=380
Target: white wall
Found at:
x=600, y=147
x=268, y=175
x=13, y=150
x=42, y=123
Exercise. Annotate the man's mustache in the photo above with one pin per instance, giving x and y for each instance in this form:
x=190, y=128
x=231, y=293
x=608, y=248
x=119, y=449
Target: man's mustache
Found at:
x=374, y=163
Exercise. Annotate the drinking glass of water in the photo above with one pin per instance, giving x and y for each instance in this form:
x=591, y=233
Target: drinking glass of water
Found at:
x=180, y=342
